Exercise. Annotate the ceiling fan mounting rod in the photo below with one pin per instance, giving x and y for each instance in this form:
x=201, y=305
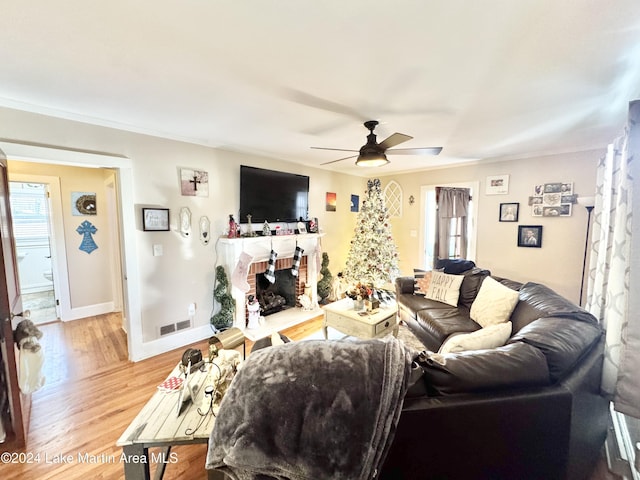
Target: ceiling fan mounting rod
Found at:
x=370, y=125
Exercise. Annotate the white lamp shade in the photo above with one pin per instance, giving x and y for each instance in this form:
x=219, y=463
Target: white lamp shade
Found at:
x=587, y=201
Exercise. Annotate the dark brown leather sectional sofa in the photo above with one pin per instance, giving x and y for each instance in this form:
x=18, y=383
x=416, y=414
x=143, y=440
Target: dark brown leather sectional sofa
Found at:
x=530, y=409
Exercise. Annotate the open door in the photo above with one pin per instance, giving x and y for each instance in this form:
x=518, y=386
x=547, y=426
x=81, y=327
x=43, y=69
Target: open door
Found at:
x=15, y=407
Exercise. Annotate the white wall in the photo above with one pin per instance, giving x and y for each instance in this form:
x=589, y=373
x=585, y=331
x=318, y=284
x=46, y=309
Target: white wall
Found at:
x=185, y=273
x=557, y=264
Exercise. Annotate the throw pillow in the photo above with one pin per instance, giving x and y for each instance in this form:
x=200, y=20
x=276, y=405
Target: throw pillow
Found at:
x=445, y=288
x=422, y=280
x=490, y=337
x=494, y=303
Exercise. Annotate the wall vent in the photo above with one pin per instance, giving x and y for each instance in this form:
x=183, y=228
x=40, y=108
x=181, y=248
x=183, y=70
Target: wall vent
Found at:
x=167, y=329
x=184, y=324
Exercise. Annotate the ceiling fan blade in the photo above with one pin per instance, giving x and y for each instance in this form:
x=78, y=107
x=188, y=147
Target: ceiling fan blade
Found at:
x=415, y=151
x=339, y=160
x=303, y=98
x=393, y=140
x=334, y=149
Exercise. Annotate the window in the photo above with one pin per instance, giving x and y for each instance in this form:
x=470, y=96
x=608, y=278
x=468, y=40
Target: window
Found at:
x=29, y=210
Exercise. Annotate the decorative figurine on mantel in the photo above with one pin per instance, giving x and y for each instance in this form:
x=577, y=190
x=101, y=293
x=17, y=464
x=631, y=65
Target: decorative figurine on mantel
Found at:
x=233, y=227
x=266, y=229
x=250, y=232
x=253, y=307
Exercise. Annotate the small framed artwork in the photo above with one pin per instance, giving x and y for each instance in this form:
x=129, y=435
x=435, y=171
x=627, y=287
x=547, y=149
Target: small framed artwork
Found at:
x=194, y=183
x=155, y=219
x=530, y=236
x=83, y=203
x=509, y=212
x=497, y=185
x=537, y=210
x=355, y=203
x=330, y=202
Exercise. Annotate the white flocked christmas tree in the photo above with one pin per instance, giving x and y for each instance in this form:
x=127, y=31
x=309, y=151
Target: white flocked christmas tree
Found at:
x=373, y=257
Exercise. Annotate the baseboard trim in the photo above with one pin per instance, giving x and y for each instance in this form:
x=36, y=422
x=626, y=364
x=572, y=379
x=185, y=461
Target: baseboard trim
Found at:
x=89, y=311
x=172, y=342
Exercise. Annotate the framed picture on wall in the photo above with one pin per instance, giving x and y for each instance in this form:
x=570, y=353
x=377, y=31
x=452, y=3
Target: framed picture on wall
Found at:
x=155, y=219
x=355, y=203
x=83, y=203
x=330, y=202
x=530, y=236
x=497, y=185
x=509, y=212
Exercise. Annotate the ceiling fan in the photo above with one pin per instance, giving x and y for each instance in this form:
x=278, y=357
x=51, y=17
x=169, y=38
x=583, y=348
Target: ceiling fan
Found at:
x=373, y=154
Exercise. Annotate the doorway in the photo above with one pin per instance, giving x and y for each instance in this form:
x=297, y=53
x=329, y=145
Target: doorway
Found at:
x=428, y=207
x=32, y=229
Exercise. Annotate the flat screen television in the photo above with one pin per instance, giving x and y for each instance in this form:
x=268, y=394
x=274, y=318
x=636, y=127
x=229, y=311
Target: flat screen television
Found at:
x=272, y=196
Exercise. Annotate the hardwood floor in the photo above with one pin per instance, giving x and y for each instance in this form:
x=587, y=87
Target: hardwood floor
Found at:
x=92, y=394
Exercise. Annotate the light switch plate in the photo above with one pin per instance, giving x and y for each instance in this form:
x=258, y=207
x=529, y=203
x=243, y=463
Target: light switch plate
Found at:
x=157, y=250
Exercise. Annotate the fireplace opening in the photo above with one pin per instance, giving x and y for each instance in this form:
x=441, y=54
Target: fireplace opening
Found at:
x=277, y=296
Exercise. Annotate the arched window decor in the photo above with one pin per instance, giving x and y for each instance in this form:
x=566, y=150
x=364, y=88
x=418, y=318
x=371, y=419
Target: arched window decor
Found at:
x=393, y=198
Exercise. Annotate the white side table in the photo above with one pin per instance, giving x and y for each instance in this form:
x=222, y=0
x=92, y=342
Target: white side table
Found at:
x=341, y=316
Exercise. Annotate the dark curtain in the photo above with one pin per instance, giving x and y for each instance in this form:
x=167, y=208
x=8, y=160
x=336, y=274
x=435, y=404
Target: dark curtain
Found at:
x=452, y=205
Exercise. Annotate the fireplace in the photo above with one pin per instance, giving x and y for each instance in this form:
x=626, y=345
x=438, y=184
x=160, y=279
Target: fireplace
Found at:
x=284, y=292
x=228, y=252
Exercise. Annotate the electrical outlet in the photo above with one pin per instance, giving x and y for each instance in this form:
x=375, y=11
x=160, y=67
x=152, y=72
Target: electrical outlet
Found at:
x=191, y=311
x=157, y=250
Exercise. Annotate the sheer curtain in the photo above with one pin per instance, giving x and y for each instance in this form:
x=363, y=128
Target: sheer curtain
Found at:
x=608, y=291
x=451, y=224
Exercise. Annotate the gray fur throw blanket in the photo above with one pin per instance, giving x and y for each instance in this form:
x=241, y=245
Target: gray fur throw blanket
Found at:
x=317, y=409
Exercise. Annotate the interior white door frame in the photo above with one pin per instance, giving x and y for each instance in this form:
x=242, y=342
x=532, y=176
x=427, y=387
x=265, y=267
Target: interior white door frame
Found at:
x=56, y=239
x=473, y=238
x=131, y=275
x=115, y=264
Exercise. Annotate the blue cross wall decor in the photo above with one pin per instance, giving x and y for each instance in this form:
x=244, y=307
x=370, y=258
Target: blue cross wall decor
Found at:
x=86, y=229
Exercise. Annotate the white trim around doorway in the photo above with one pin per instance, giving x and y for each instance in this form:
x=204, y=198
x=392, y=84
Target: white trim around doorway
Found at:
x=130, y=273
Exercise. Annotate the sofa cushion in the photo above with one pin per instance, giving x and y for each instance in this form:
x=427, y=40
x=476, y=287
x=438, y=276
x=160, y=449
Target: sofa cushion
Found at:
x=454, y=265
x=471, y=281
x=444, y=288
x=489, y=337
x=440, y=323
x=493, y=304
x=509, y=367
x=563, y=341
x=413, y=304
x=546, y=300
x=512, y=284
x=422, y=281
x=405, y=285
x=524, y=314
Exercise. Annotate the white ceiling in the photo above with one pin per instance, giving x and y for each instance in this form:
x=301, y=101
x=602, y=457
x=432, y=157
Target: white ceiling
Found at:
x=496, y=79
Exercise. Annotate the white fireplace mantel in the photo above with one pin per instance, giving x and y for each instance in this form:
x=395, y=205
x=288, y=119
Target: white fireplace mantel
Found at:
x=228, y=252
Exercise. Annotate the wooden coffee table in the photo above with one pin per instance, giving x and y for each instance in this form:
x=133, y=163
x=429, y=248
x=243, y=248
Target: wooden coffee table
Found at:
x=159, y=425
x=341, y=316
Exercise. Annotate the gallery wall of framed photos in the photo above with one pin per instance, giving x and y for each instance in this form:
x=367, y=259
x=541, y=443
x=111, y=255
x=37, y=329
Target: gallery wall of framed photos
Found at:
x=552, y=200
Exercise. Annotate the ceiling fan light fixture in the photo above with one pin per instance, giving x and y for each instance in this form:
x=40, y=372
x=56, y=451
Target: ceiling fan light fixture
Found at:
x=372, y=159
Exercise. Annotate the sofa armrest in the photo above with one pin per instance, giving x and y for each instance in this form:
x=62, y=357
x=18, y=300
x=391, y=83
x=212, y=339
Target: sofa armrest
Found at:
x=405, y=285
